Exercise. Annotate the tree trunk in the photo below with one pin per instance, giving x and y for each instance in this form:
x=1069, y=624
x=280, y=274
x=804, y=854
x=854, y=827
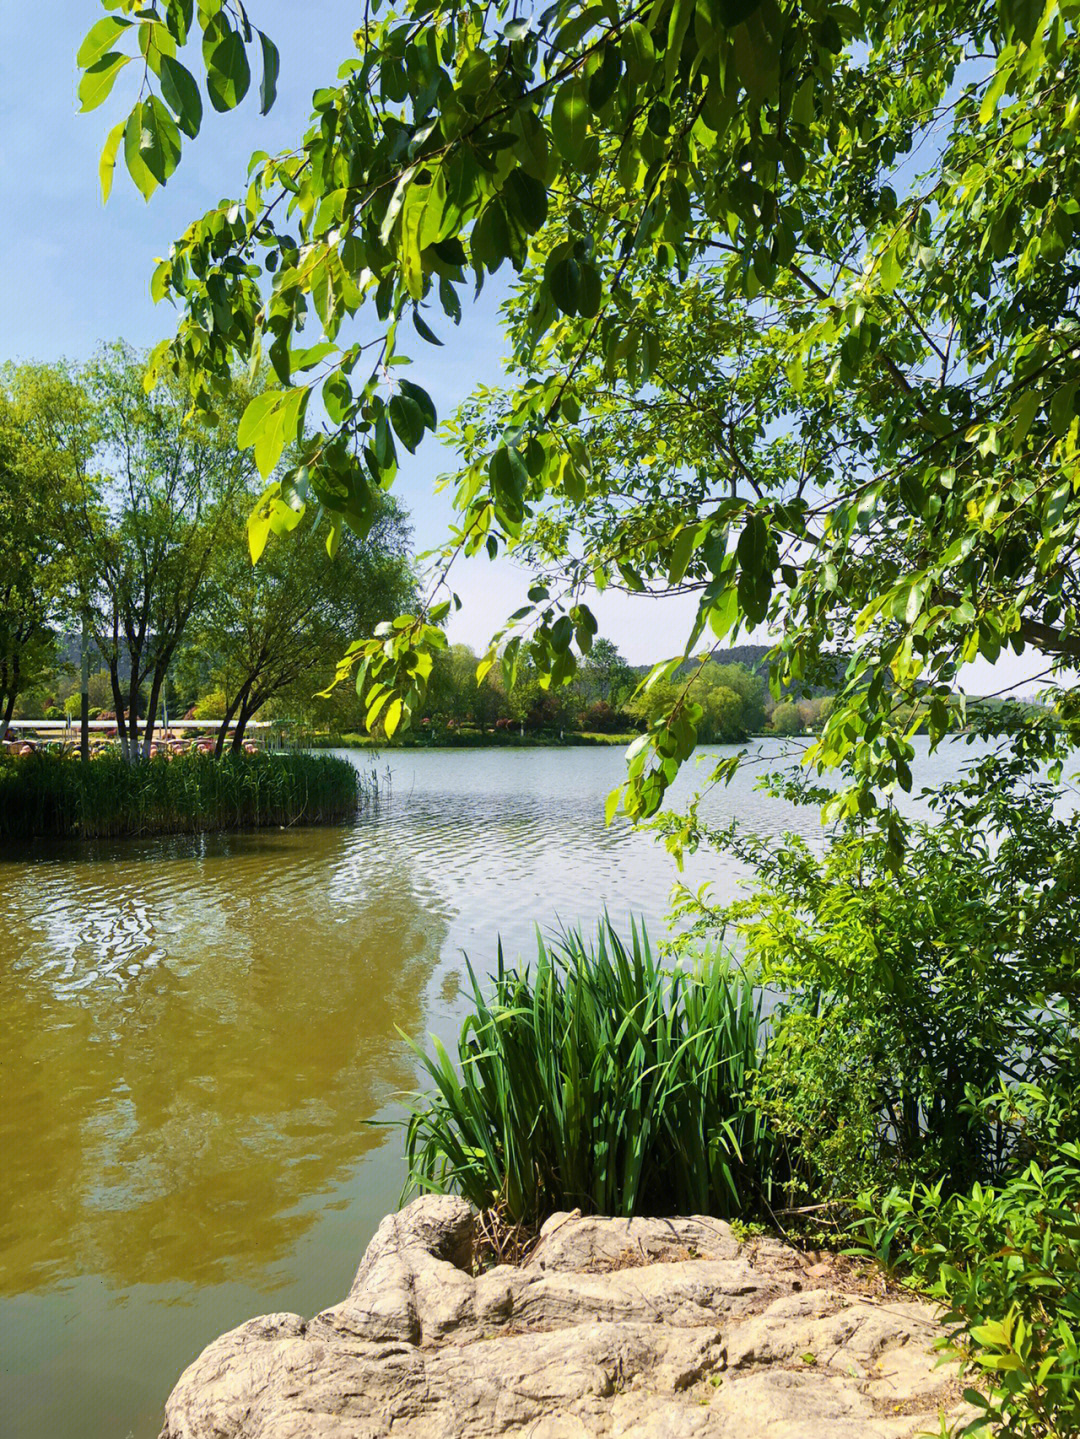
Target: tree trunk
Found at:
x=238, y=701
x=84, y=697
x=118, y=706
x=9, y=710
x=246, y=711
x=151, y=712
x=133, y=712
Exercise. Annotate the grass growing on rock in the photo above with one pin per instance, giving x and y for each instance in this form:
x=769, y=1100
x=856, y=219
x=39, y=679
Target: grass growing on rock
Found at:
x=53, y=795
x=596, y=1078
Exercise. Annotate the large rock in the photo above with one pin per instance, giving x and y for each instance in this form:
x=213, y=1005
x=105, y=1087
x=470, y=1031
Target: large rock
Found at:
x=630, y=1328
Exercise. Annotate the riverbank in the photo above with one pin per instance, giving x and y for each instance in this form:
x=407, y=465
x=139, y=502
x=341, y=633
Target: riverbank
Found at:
x=677, y=1327
x=56, y=796
x=469, y=739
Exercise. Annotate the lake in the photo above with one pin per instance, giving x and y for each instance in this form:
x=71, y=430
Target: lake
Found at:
x=196, y=1035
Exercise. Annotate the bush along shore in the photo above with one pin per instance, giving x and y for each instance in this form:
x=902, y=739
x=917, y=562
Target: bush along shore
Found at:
x=53, y=795
x=466, y=739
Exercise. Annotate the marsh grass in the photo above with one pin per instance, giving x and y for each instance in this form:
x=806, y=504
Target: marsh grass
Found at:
x=597, y=1078
x=54, y=795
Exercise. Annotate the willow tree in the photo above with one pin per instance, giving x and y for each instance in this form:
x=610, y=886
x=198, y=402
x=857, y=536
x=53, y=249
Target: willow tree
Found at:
x=872, y=209
x=276, y=627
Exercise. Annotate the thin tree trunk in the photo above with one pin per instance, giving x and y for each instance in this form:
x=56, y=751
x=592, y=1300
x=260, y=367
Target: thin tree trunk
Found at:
x=118, y=706
x=9, y=710
x=246, y=711
x=133, y=710
x=152, y=709
x=238, y=701
x=84, y=696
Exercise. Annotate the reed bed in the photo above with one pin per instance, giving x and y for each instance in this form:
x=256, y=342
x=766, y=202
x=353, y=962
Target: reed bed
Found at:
x=56, y=795
x=596, y=1078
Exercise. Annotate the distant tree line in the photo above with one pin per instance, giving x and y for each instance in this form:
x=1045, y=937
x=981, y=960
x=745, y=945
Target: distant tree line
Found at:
x=125, y=519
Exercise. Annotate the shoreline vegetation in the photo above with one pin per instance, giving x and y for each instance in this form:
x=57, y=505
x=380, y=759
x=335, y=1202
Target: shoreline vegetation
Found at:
x=53, y=796
x=467, y=739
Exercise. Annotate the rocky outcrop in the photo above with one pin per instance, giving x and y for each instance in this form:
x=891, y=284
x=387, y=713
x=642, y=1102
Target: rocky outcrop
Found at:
x=629, y=1328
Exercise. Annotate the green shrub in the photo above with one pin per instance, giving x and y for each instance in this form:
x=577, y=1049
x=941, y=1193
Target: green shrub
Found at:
x=47, y=794
x=786, y=719
x=910, y=983
x=1005, y=1263
x=597, y=1079
x=211, y=706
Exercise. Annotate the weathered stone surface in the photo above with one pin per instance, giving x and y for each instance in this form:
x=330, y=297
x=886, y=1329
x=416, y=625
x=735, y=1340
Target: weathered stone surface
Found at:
x=634, y=1329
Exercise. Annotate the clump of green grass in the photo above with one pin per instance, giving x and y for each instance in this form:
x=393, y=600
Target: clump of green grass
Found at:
x=55, y=795
x=596, y=1078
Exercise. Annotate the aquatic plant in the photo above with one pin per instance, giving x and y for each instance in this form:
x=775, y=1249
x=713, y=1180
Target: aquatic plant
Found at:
x=55, y=795
x=597, y=1078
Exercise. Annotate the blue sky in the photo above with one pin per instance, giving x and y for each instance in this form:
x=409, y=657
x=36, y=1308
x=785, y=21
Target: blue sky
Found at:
x=74, y=272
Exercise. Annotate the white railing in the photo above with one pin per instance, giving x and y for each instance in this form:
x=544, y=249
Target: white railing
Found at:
x=100, y=724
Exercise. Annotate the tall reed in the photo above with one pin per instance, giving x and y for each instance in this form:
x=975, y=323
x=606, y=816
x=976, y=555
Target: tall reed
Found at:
x=598, y=1079
x=55, y=795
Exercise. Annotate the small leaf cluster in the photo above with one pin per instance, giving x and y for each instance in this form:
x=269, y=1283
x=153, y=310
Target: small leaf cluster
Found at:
x=169, y=102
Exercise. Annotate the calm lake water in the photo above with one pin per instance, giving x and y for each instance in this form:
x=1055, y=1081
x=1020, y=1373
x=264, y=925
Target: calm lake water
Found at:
x=196, y=1034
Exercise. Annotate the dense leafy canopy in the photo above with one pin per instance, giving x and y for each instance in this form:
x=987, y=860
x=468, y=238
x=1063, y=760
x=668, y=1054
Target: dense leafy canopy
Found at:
x=794, y=327
x=267, y=632
x=147, y=489
x=34, y=573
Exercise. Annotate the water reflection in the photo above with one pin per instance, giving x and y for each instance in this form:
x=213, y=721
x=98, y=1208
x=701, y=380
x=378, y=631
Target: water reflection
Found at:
x=193, y=1037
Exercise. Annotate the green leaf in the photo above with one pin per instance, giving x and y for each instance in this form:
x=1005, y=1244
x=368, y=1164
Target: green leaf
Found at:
x=392, y=718
x=107, y=164
x=133, y=156
x=258, y=524
x=99, y=39
x=528, y=198
x=1021, y=18
x=407, y=420
x=1024, y=411
x=423, y=329
x=228, y=74
x=564, y=282
x=96, y=85
x=181, y=94
x=159, y=140
x=589, y=292
x=422, y=400
x=639, y=54
x=570, y=120
x=254, y=417
x=271, y=68
x=994, y=92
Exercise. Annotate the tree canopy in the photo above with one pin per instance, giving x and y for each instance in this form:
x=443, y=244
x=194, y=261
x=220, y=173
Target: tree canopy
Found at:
x=271, y=629
x=793, y=326
x=35, y=487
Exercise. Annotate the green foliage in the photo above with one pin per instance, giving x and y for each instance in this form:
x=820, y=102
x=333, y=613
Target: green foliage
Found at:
x=911, y=991
x=210, y=706
x=786, y=719
x=55, y=795
x=150, y=488
x=269, y=633
x=35, y=487
x=727, y=701
x=596, y=1078
x=792, y=326
x=1005, y=1263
